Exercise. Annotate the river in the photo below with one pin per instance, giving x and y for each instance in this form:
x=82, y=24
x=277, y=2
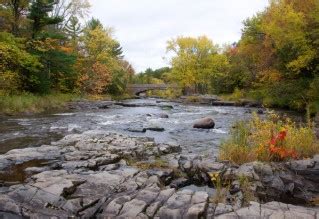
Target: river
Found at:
x=38, y=129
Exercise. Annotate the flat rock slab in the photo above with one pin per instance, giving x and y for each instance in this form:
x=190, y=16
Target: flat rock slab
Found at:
x=275, y=210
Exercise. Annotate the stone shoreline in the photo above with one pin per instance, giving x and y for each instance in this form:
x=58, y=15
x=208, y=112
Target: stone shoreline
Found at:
x=96, y=174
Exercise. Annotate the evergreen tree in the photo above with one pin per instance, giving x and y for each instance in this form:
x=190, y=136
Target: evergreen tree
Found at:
x=39, y=14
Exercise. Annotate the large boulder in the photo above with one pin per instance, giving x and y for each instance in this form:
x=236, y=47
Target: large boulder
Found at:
x=205, y=123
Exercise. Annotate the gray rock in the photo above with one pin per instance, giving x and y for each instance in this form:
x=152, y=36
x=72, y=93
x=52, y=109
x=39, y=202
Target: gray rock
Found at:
x=132, y=208
x=114, y=207
x=196, y=211
x=163, y=196
x=179, y=183
x=164, y=116
x=8, y=205
x=273, y=210
x=222, y=208
x=205, y=123
x=19, y=156
x=137, y=129
x=155, y=129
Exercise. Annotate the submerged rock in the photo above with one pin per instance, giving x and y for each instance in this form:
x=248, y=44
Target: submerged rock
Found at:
x=155, y=129
x=163, y=116
x=205, y=123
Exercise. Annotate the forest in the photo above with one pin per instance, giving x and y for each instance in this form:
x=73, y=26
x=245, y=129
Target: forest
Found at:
x=49, y=46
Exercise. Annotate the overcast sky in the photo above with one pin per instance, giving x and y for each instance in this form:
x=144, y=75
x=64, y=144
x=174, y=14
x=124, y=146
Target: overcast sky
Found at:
x=144, y=26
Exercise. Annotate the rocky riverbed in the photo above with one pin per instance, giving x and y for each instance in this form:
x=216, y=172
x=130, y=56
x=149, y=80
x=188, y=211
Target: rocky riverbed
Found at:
x=100, y=174
x=143, y=159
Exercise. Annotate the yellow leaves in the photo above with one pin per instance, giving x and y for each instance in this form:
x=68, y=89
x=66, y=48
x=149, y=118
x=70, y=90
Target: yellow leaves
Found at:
x=9, y=82
x=269, y=76
x=98, y=43
x=302, y=61
x=196, y=61
x=214, y=177
x=286, y=27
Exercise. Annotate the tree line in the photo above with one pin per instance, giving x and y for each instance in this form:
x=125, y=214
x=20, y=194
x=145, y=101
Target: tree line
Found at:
x=275, y=61
x=50, y=46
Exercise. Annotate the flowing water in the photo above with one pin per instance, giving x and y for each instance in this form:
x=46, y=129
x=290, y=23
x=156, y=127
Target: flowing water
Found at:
x=35, y=130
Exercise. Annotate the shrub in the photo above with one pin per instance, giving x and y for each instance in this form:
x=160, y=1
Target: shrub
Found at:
x=235, y=96
x=270, y=139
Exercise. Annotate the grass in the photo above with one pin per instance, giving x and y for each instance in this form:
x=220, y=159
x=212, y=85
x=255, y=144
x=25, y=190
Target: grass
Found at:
x=246, y=188
x=193, y=99
x=251, y=141
x=237, y=95
x=25, y=103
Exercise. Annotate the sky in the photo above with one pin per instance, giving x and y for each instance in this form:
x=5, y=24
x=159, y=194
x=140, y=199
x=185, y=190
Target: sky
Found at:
x=144, y=26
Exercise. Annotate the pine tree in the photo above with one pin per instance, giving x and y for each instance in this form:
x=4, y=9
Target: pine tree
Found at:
x=39, y=14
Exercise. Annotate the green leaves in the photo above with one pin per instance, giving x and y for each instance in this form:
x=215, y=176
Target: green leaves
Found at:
x=16, y=64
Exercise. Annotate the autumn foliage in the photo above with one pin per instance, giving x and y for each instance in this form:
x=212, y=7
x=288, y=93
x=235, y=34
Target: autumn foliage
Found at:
x=269, y=139
x=47, y=46
x=277, y=149
x=95, y=78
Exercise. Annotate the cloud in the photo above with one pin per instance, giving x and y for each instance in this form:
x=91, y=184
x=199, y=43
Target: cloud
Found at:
x=144, y=26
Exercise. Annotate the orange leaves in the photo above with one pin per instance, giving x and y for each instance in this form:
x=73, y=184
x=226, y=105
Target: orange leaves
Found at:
x=94, y=79
x=276, y=149
x=66, y=49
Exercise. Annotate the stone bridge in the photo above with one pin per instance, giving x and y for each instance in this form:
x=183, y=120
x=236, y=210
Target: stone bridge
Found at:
x=142, y=88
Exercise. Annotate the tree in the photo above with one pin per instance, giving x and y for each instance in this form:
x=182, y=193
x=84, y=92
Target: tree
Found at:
x=13, y=11
x=196, y=62
x=117, y=50
x=94, y=80
x=120, y=78
x=70, y=9
x=19, y=69
x=93, y=24
x=286, y=28
x=39, y=14
x=73, y=30
x=97, y=62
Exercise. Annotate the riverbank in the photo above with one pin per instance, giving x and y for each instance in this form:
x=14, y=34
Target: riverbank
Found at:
x=30, y=103
x=102, y=174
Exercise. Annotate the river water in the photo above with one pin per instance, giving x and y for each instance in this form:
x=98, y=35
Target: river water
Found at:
x=35, y=130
